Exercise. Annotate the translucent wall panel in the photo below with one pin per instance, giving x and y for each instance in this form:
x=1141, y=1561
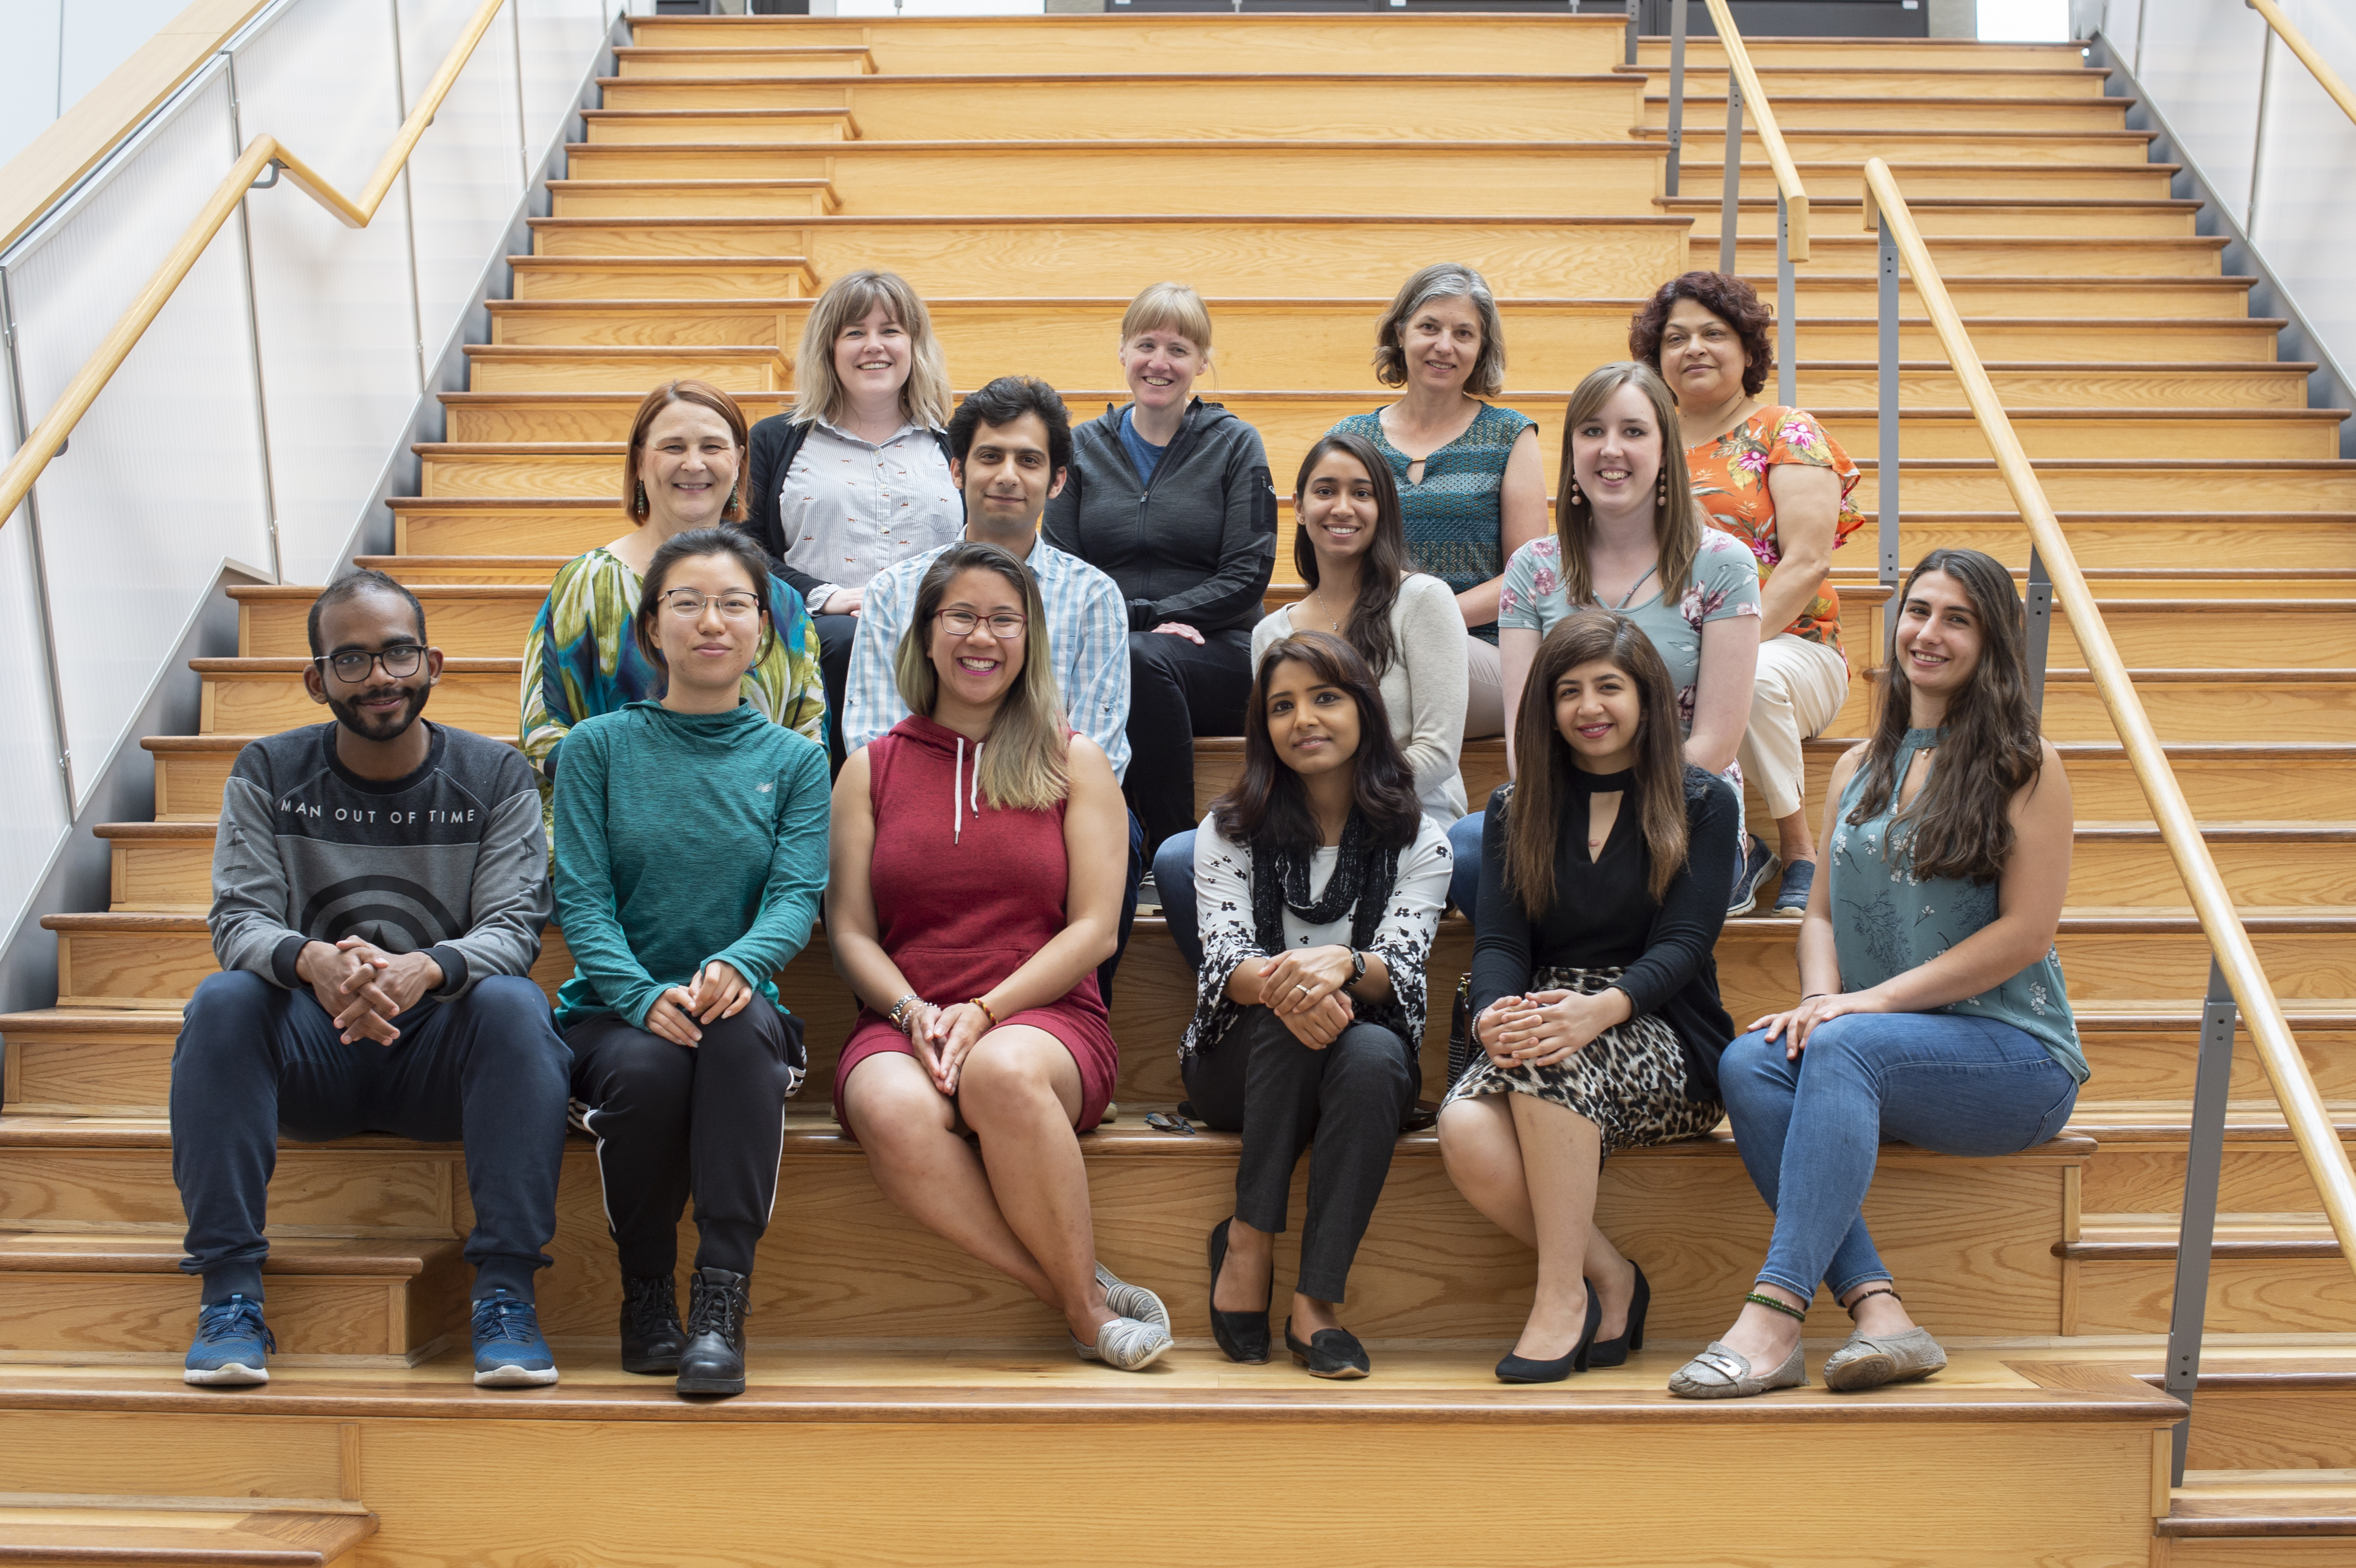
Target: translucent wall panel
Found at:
x=467, y=175
x=163, y=478
x=560, y=40
x=28, y=71
x=33, y=817
x=339, y=327
x=2201, y=63
x=2306, y=220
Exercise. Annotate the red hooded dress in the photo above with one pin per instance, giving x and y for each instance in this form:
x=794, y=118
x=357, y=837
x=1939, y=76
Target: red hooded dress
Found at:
x=964, y=896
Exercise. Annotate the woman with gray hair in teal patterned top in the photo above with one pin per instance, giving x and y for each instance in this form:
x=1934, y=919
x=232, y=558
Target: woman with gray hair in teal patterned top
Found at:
x=1471, y=483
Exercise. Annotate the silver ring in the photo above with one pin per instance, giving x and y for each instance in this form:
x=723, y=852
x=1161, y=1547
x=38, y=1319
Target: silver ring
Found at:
x=1303, y=989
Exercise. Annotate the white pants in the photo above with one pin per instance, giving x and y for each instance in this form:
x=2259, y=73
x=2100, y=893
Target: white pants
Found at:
x=1484, y=706
x=1800, y=687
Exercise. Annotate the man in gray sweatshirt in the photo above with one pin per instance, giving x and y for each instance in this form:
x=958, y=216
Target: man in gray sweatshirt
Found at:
x=380, y=884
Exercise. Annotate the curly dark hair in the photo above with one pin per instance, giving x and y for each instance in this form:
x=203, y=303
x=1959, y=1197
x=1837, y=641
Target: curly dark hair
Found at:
x=1725, y=296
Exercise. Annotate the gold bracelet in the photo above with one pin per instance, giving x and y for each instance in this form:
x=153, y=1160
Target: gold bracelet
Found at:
x=978, y=1002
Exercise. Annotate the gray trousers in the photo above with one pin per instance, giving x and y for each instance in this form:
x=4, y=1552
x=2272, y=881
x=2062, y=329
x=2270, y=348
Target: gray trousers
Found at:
x=1350, y=1097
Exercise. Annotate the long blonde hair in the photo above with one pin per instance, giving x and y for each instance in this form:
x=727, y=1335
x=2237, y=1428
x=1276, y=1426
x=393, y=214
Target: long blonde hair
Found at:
x=818, y=392
x=1676, y=522
x=1024, y=764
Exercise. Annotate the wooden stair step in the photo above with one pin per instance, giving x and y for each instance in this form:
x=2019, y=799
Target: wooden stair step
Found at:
x=262, y=696
x=1705, y=144
x=839, y=1261
x=1844, y=178
x=762, y=123
x=1855, y=293
x=1406, y=107
x=1099, y=173
x=1951, y=215
x=90, y=1292
x=982, y=254
x=1809, y=53
x=50, y=1530
x=1933, y=111
x=1835, y=251
x=2269, y=1273
x=2182, y=704
x=2303, y=1511
x=592, y=198
x=779, y=60
x=656, y=277
x=2144, y=1146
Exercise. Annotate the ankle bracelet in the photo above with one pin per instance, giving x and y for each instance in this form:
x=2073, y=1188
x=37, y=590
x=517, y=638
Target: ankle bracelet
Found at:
x=1785, y=1307
x=1885, y=1290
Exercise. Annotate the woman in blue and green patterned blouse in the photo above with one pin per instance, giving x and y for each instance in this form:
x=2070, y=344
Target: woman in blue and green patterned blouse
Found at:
x=1469, y=481
x=683, y=470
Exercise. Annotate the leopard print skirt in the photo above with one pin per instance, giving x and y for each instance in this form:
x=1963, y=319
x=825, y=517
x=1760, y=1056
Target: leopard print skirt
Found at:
x=1630, y=1081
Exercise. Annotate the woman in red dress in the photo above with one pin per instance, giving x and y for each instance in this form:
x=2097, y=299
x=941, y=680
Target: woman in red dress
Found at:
x=978, y=850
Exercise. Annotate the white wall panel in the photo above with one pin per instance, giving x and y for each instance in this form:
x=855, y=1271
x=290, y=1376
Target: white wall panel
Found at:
x=33, y=817
x=2201, y=63
x=2306, y=221
x=467, y=175
x=96, y=36
x=162, y=478
x=28, y=70
x=559, y=40
x=337, y=324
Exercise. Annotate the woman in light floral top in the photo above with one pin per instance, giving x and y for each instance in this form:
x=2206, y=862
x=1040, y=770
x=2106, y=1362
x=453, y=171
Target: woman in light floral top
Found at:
x=1627, y=538
x=1771, y=478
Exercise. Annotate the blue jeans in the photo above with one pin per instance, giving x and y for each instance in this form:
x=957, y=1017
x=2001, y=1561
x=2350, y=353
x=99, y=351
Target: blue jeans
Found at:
x=1464, y=869
x=1173, y=876
x=1809, y=1130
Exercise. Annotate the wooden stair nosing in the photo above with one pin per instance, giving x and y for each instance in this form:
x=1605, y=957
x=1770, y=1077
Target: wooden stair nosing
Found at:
x=334, y=1257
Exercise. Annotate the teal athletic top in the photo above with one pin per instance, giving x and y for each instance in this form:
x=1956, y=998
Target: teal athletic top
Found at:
x=1886, y=921
x=683, y=837
x=1455, y=519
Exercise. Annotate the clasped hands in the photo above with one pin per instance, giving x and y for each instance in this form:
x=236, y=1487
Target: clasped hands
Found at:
x=1303, y=987
x=364, y=987
x=720, y=991
x=943, y=1037
x=1540, y=1028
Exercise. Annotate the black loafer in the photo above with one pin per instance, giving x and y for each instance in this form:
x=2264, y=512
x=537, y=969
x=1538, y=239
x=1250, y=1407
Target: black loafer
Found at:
x=1330, y=1353
x=1242, y=1335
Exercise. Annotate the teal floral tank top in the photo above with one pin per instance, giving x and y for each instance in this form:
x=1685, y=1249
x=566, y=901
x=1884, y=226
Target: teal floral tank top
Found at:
x=1887, y=919
x=1455, y=519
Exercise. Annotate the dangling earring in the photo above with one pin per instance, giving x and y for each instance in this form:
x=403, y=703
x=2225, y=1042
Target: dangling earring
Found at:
x=1574, y=495
x=1661, y=496
x=639, y=509
x=731, y=509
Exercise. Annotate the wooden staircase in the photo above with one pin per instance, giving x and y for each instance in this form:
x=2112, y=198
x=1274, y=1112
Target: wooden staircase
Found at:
x=738, y=163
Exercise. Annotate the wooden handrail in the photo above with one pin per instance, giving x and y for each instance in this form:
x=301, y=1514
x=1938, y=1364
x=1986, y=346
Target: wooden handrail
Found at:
x=2326, y=78
x=16, y=480
x=2317, y=1139
x=1779, y=157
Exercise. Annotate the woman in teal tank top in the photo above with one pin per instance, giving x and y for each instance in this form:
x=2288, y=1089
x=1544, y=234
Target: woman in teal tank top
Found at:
x=1932, y=1007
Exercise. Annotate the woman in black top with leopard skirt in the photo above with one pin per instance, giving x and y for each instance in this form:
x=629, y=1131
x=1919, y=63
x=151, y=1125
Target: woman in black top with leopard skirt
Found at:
x=1594, y=990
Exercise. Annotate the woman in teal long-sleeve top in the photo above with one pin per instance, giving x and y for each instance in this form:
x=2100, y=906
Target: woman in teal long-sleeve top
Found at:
x=691, y=855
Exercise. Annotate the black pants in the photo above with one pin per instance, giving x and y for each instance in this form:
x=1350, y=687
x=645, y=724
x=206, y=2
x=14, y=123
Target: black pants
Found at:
x=1351, y=1097
x=1178, y=690
x=670, y=1119
x=836, y=633
x=252, y=1059
x=1110, y=966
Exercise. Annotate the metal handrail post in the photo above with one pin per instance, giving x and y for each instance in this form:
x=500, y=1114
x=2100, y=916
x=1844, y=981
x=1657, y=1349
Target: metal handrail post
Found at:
x=1729, y=206
x=1632, y=31
x=1787, y=310
x=2204, y=1160
x=2037, y=611
x=1676, y=90
x=1886, y=456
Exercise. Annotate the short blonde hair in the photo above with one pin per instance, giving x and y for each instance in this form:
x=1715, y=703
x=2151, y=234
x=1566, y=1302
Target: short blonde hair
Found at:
x=1443, y=280
x=1170, y=308
x=818, y=392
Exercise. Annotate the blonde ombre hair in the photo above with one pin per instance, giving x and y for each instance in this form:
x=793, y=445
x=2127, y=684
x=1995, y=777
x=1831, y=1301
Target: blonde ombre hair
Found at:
x=1023, y=765
x=1170, y=308
x=818, y=392
x=1677, y=525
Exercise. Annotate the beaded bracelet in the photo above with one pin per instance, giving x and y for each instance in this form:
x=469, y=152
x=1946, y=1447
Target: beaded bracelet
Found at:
x=902, y=1009
x=1785, y=1307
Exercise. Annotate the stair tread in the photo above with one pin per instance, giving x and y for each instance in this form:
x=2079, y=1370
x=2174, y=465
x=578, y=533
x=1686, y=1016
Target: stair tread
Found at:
x=200, y=1532
x=86, y=1251
x=2262, y=1503
x=2152, y=1238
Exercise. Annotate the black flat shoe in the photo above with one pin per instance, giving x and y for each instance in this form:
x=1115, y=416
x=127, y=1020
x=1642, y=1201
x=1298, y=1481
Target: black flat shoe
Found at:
x=1615, y=1352
x=1242, y=1335
x=652, y=1336
x=1522, y=1370
x=1330, y=1353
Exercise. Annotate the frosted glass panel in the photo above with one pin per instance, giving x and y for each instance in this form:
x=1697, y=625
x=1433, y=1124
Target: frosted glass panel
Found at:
x=337, y=326
x=32, y=798
x=2306, y=223
x=467, y=175
x=162, y=478
x=2201, y=63
x=560, y=40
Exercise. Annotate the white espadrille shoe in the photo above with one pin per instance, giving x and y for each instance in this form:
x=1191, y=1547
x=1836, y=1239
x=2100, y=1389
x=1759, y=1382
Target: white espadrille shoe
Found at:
x=1125, y=1344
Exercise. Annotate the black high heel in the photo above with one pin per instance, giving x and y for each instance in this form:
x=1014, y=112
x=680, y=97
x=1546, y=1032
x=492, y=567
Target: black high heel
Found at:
x=1522, y=1370
x=1242, y=1335
x=1615, y=1352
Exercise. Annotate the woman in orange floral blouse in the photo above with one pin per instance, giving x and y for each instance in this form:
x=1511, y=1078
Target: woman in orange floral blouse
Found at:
x=1772, y=477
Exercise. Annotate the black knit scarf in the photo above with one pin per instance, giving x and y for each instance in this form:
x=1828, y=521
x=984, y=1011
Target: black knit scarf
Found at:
x=1364, y=876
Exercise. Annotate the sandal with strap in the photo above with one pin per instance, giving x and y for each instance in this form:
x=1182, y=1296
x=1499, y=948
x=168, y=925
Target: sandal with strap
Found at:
x=1719, y=1372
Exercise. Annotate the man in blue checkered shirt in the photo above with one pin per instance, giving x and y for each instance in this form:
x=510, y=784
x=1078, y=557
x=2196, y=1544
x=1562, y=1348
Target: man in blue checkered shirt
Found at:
x=1010, y=445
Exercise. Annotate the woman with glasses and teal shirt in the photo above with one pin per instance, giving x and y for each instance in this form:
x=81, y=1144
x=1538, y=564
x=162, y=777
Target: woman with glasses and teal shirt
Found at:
x=683, y=470
x=690, y=854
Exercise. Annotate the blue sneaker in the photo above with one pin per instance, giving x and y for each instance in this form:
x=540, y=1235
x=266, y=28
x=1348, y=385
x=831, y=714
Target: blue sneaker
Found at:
x=509, y=1349
x=1799, y=876
x=232, y=1346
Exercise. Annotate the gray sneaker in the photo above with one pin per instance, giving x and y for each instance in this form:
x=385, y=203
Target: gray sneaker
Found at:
x=1759, y=863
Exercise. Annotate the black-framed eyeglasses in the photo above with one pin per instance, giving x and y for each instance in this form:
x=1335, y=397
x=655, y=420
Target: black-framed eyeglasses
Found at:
x=1005, y=626
x=351, y=665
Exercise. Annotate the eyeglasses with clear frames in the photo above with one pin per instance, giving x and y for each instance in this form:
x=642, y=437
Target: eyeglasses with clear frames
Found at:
x=351, y=665
x=1005, y=626
x=687, y=603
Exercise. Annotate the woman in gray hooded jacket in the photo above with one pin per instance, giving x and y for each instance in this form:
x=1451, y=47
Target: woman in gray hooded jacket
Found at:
x=1169, y=497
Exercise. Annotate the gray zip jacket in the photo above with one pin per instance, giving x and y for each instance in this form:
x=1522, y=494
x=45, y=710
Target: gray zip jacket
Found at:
x=1198, y=545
